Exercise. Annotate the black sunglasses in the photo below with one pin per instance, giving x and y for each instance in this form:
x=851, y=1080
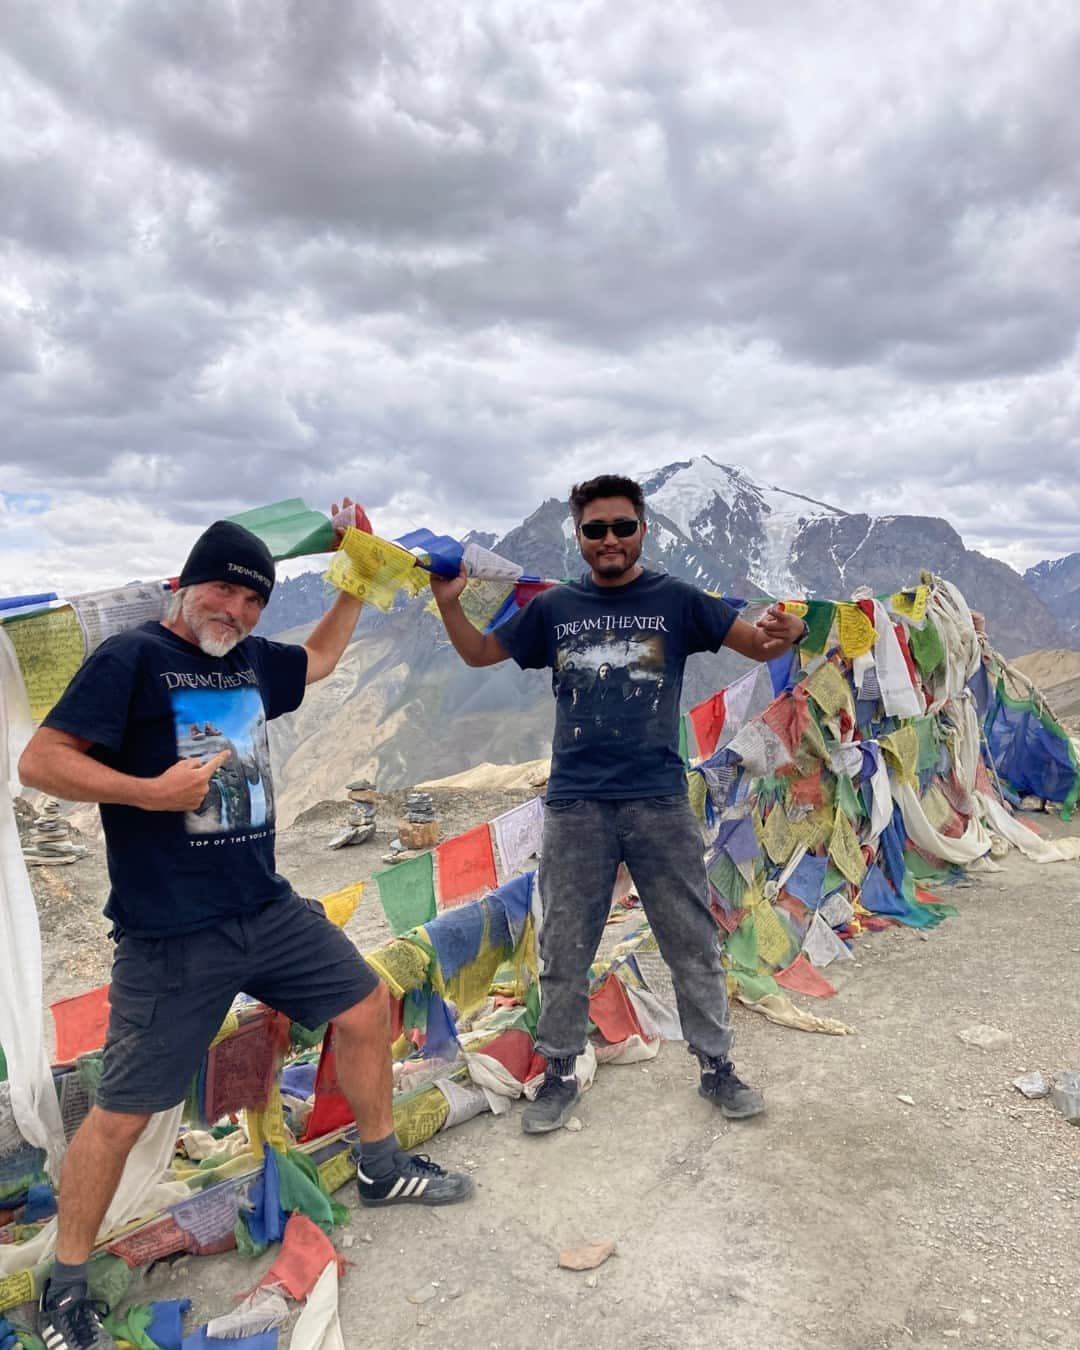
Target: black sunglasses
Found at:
x=621, y=529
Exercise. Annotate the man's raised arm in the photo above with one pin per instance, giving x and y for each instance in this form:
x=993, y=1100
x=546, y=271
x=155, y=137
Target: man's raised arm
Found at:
x=474, y=648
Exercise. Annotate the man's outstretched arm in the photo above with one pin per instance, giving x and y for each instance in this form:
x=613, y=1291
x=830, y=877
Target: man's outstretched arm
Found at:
x=775, y=632
x=474, y=648
x=330, y=636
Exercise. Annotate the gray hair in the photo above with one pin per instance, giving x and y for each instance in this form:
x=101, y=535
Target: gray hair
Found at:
x=176, y=603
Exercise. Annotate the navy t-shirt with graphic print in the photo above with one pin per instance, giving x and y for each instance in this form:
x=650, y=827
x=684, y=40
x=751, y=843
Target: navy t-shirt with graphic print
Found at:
x=147, y=698
x=617, y=655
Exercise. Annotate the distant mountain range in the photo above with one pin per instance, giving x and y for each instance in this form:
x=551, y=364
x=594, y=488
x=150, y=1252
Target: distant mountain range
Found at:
x=402, y=708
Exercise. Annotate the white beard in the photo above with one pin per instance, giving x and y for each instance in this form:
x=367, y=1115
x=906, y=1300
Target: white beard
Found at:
x=217, y=646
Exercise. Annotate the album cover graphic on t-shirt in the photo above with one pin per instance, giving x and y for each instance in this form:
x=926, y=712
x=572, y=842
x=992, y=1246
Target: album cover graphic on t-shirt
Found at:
x=241, y=792
x=611, y=680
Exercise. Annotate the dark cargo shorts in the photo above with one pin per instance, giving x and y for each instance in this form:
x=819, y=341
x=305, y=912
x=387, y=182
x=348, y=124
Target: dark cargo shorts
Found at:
x=169, y=996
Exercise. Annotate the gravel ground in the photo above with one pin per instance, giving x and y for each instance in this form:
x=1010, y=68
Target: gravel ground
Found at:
x=845, y=1219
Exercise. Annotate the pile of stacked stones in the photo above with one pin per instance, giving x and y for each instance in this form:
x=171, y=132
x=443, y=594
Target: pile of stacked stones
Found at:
x=363, y=799
x=49, y=842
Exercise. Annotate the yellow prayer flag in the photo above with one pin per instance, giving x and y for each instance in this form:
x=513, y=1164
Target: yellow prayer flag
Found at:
x=844, y=849
x=777, y=835
x=902, y=752
x=774, y=943
x=49, y=648
x=829, y=690
x=372, y=569
x=814, y=828
x=856, y=633
x=911, y=604
x=341, y=905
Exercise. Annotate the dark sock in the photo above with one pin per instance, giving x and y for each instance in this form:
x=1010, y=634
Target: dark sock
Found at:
x=378, y=1159
x=64, y=1277
x=561, y=1068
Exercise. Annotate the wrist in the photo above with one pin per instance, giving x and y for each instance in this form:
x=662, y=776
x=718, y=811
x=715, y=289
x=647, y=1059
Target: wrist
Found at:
x=805, y=631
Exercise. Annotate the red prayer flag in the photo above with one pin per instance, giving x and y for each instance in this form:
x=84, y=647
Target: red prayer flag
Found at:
x=613, y=1012
x=802, y=978
x=80, y=1023
x=305, y=1253
x=466, y=866
x=331, y=1111
x=707, y=720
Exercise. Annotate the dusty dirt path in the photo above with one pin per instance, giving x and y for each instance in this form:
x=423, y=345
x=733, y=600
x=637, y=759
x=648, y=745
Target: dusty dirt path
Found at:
x=845, y=1219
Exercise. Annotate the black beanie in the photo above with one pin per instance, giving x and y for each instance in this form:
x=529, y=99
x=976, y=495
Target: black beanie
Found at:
x=228, y=552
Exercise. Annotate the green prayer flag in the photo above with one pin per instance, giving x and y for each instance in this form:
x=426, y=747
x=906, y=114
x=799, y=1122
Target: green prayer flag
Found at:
x=132, y=1326
x=407, y=893
x=819, y=622
x=926, y=646
x=289, y=529
x=754, y=986
x=684, y=739
x=848, y=799
x=741, y=946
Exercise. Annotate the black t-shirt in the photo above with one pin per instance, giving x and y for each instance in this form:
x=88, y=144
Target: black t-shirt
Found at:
x=147, y=698
x=617, y=655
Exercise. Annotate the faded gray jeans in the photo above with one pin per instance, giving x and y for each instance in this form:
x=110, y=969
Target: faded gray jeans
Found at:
x=660, y=841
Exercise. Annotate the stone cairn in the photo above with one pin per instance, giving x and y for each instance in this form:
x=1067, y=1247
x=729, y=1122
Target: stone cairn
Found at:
x=417, y=829
x=49, y=842
x=363, y=799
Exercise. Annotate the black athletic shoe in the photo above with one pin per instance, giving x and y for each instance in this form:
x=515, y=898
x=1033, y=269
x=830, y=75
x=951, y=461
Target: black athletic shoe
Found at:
x=416, y=1180
x=722, y=1086
x=553, y=1104
x=73, y=1321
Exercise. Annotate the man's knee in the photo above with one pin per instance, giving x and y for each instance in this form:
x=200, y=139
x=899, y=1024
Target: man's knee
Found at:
x=121, y=1128
x=368, y=1018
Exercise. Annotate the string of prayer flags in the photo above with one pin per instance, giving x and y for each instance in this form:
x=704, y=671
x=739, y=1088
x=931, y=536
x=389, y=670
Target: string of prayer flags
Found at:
x=407, y=893
x=289, y=529
x=801, y=978
x=81, y=1023
x=708, y=722
x=466, y=866
x=374, y=570
x=519, y=833
x=855, y=630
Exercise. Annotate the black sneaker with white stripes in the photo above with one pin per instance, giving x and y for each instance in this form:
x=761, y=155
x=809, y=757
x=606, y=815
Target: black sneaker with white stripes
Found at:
x=73, y=1321
x=416, y=1180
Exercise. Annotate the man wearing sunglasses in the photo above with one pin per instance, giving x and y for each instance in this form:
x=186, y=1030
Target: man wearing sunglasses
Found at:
x=617, y=642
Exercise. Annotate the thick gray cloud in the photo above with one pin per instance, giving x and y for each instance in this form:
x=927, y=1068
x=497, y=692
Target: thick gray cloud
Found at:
x=451, y=258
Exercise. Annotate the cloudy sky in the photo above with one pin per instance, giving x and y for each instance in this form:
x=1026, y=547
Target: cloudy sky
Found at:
x=449, y=258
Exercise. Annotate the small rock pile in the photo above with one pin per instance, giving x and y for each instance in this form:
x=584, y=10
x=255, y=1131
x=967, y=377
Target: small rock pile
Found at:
x=363, y=799
x=49, y=842
x=418, y=828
